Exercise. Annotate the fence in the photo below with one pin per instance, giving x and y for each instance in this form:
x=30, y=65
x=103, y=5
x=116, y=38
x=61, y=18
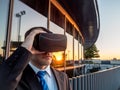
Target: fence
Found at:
x=108, y=79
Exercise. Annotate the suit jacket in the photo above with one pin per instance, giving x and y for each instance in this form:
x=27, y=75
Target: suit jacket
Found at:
x=16, y=74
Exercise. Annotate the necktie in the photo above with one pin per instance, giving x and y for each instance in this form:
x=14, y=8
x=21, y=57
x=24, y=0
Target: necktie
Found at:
x=43, y=83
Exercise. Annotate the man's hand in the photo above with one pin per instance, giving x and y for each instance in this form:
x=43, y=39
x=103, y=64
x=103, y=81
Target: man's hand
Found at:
x=28, y=42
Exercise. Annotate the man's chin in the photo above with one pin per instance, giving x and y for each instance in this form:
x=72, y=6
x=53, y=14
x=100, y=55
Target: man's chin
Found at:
x=46, y=62
x=47, y=58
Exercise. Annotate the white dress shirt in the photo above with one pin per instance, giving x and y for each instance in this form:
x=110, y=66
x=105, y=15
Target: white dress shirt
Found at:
x=49, y=77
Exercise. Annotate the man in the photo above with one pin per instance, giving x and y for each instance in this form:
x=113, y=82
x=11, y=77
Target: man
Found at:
x=20, y=70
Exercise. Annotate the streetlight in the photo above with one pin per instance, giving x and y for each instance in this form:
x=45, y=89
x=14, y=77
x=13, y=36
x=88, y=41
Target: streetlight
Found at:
x=19, y=15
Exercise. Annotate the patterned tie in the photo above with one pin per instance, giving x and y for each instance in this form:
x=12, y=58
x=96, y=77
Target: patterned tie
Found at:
x=43, y=83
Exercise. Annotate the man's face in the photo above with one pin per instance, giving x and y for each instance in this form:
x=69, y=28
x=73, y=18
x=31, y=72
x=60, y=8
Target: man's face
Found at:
x=42, y=58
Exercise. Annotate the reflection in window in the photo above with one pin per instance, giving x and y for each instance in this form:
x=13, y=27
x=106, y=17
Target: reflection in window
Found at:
x=57, y=17
x=58, y=59
x=69, y=27
x=56, y=29
x=80, y=49
x=69, y=50
x=75, y=50
x=82, y=53
x=75, y=45
x=40, y=6
x=4, y=7
x=76, y=34
x=21, y=24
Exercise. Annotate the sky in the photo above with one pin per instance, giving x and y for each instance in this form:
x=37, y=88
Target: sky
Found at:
x=108, y=42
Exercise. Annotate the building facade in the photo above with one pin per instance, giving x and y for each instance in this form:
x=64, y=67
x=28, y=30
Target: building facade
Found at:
x=73, y=19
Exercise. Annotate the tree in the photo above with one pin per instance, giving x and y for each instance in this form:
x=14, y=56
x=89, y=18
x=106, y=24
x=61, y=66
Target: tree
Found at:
x=91, y=52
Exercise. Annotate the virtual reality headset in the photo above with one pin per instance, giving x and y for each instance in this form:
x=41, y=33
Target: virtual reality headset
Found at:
x=49, y=42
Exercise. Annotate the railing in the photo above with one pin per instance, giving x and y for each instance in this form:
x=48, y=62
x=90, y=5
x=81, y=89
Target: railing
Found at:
x=108, y=79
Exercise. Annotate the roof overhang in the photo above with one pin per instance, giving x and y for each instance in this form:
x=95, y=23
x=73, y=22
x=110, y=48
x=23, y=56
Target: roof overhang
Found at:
x=85, y=13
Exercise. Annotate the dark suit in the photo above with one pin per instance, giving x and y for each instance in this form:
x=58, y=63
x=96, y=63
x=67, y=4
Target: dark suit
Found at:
x=16, y=74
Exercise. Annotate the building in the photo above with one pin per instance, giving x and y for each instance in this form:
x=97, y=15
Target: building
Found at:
x=77, y=19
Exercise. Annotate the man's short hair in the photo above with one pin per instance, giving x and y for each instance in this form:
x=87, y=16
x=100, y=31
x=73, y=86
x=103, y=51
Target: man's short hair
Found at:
x=33, y=28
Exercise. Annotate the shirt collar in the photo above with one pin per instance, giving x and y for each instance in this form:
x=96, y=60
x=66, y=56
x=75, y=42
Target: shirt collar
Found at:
x=47, y=69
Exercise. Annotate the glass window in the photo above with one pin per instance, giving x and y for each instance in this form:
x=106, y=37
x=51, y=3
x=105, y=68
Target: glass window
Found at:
x=57, y=17
x=76, y=34
x=69, y=56
x=40, y=6
x=56, y=29
x=69, y=28
x=4, y=7
x=80, y=49
x=75, y=50
x=24, y=18
x=82, y=52
x=58, y=57
x=75, y=45
x=69, y=50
